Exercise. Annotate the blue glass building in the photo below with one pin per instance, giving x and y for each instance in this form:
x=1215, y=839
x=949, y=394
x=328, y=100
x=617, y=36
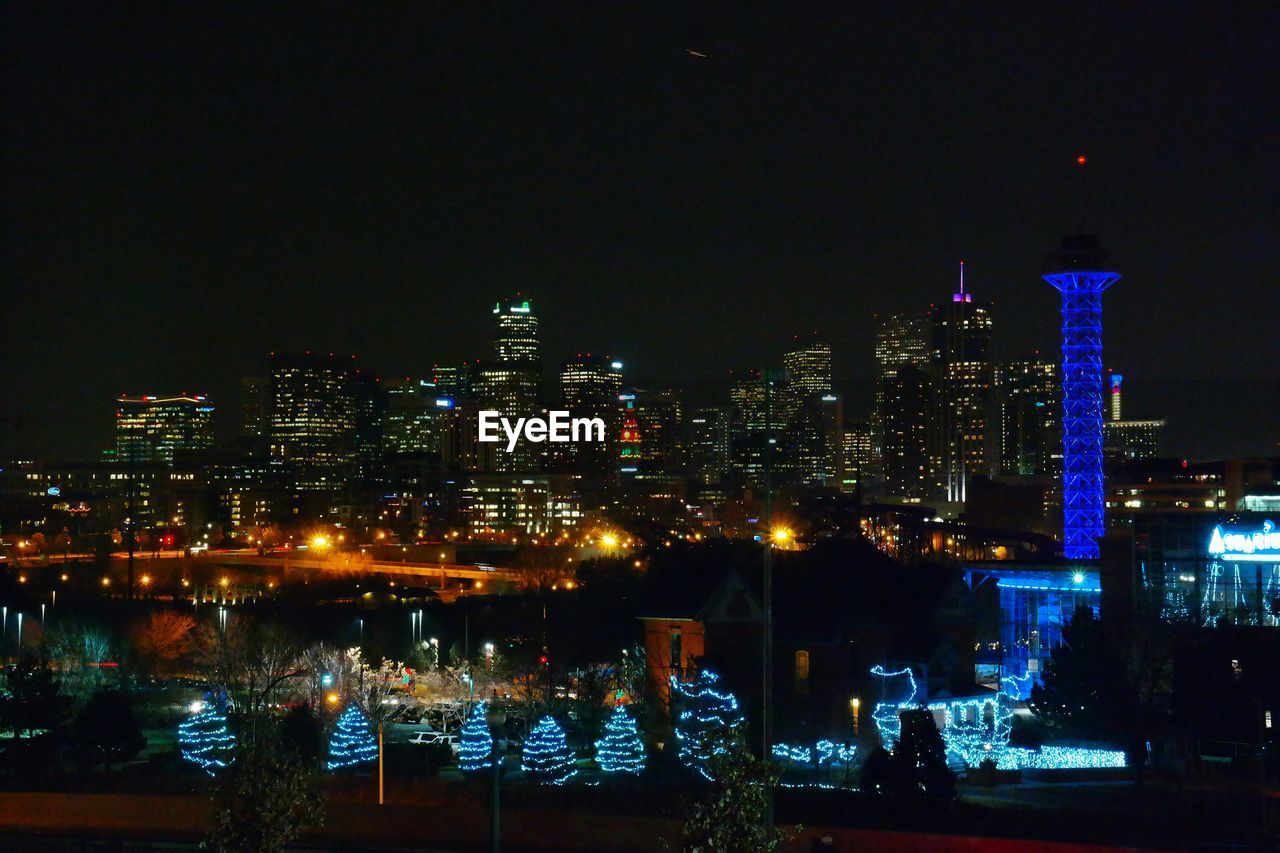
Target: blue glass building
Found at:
x=1035, y=603
x=1078, y=272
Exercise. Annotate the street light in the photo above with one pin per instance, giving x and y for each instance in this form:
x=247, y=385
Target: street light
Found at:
x=496, y=718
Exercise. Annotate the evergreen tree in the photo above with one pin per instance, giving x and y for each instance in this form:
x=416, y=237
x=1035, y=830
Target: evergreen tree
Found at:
x=267, y=798
x=32, y=700
x=205, y=741
x=620, y=750
x=351, y=742
x=302, y=733
x=731, y=814
x=105, y=730
x=918, y=764
x=546, y=756
x=707, y=717
x=1086, y=690
x=475, y=748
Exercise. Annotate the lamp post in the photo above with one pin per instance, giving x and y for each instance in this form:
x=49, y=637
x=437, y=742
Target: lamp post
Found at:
x=496, y=718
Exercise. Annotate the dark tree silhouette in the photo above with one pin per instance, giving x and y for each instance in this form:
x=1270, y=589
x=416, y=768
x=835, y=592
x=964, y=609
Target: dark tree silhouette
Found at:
x=920, y=758
x=33, y=699
x=917, y=766
x=105, y=731
x=1086, y=690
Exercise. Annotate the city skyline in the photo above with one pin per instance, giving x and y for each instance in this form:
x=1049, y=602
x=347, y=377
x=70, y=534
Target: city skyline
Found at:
x=653, y=212
x=860, y=392
x=685, y=426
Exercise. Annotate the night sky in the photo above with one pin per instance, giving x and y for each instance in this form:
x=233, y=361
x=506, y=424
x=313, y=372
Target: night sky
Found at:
x=189, y=188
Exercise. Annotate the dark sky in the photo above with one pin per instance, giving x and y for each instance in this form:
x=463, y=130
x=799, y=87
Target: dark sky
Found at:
x=190, y=187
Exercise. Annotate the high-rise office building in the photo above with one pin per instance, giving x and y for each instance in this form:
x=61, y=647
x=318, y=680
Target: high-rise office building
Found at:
x=1132, y=439
x=511, y=388
x=313, y=419
x=706, y=444
x=153, y=430
x=370, y=410
x=903, y=343
x=963, y=384
x=509, y=384
x=650, y=435
x=903, y=340
x=858, y=444
x=515, y=337
x=808, y=373
x=453, y=382
x=590, y=383
x=815, y=440
x=1030, y=403
x=589, y=388
x=906, y=396
x=414, y=413
x=757, y=426
x=255, y=407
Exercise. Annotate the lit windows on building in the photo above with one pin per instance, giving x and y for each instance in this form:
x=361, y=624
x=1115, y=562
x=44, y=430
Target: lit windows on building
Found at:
x=314, y=419
x=516, y=331
x=152, y=430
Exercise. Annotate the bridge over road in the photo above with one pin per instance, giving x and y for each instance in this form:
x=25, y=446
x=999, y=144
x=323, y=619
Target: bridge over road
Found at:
x=441, y=572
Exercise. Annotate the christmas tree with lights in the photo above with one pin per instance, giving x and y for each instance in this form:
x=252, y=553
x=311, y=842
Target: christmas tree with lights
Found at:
x=620, y=750
x=475, y=748
x=546, y=756
x=205, y=740
x=708, y=719
x=352, y=742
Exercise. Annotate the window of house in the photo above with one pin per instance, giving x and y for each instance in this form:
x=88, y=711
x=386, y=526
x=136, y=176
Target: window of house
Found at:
x=802, y=671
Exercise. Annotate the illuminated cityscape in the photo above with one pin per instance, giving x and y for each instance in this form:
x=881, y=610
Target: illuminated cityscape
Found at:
x=599, y=444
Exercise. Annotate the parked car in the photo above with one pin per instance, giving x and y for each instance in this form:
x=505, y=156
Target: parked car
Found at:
x=425, y=738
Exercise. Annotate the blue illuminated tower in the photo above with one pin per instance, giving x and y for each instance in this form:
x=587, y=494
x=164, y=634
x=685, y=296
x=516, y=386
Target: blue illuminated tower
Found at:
x=1078, y=271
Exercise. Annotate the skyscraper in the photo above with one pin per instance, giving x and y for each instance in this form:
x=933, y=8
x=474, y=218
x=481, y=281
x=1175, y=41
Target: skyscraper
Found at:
x=589, y=382
x=412, y=424
x=589, y=388
x=903, y=343
x=815, y=440
x=1078, y=272
x=509, y=384
x=255, y=407
x=757, y=421
x=152, y=430
x=515, y=337
x=707, y=444
x=1029, y=393
x=313, y=419
x=370, y=402
x=808, y=367
x=903, y=340
x=964, y=377
x=650, y=435
x=906, y=396
x=858, y=444
x=453, y=382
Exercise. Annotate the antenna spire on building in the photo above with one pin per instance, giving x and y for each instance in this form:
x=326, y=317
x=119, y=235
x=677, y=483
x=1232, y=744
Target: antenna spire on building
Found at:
x=961, y=296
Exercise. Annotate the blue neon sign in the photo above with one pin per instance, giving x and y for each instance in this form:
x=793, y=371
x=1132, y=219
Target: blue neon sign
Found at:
x=1257, y=546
